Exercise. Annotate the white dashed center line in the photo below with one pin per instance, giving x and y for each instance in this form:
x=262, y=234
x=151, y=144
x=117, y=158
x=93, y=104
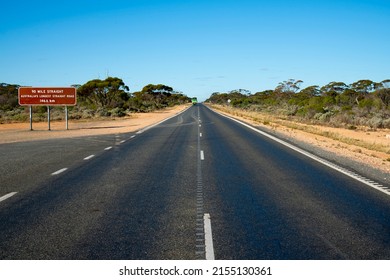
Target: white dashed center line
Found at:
x=89, y=157
x=108, y=148
x=59, y=171
x=208, y=237
x=201, y=155
x=4, y=197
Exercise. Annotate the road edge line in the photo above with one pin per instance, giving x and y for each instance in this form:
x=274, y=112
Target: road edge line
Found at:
x=323, y=161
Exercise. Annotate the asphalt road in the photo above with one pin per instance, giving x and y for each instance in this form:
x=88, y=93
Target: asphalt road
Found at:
x=196, y=186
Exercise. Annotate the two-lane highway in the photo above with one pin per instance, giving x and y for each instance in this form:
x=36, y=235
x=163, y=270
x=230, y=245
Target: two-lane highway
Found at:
x=196, y=186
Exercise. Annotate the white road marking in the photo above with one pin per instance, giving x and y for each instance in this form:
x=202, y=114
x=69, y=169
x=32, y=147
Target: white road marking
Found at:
x=89, y=157
x=59, y=171
x=314, y=157
x=4, y=197
x=132, y=136
x=108, y=148
x=201, y=155
x=200, y=134
x=123, y=141
x=208, y=238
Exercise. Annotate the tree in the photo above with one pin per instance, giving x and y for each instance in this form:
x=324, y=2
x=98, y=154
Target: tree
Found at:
x=362, y=89
x=104, y=93
x=363, y=86
x=8, y=96
x=385, y=83
x=218, y=98
x=156, y=90
x=288, y=88
x=241, y=92
x=384, y=95
x=262, y=95
x=334, y=89
x=153, y=97
x=310, y=91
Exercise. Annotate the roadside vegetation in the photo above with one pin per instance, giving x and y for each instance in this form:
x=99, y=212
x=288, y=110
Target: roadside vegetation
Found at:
x=95, y=99
x=363, y=103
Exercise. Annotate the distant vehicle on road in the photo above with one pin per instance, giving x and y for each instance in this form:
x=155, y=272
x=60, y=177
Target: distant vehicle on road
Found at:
x=194, y=100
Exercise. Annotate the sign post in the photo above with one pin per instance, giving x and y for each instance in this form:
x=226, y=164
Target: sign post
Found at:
x=47, y=96
x=30, y=117
x=48, y=116
x=66, y=117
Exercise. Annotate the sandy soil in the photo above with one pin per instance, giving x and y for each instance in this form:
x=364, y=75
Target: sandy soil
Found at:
x=362, y=145
x=18, y=132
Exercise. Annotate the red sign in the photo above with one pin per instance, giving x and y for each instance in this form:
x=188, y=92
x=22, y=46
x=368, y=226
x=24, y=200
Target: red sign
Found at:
x=53, y=96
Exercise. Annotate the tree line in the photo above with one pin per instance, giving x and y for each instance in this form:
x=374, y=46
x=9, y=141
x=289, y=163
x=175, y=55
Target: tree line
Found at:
x=102, y=98
x=362, y=103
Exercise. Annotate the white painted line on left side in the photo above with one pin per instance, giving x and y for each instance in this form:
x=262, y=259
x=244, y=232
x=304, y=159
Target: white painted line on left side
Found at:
x=208, y=236
x=4, y=197
x=59, y=171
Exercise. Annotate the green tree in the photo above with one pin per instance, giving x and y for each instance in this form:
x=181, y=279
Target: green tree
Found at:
x=8, y=96
x=384, y=95
x=334, y=89
x=106, y=93
x=362, y=88
x=153, y=97
x=287, y=89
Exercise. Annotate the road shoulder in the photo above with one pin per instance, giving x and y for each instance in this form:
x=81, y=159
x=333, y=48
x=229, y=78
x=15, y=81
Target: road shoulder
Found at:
x=340, y=153
x=20, y=132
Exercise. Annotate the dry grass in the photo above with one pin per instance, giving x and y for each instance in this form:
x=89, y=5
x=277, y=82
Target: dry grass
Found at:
x=275, y=121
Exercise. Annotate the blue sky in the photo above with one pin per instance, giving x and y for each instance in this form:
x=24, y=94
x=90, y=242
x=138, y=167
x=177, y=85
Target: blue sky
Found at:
x=197, y=47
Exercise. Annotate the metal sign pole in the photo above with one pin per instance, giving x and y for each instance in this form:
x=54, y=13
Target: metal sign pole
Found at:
x=48, y=116
x=31, y=118
x=66, y=117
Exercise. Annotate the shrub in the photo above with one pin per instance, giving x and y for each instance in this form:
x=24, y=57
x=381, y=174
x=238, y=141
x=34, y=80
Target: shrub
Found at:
x=117, y=112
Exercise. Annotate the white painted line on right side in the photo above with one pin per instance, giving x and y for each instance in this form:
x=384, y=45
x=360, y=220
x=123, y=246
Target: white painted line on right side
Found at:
x=4, y=197
x=208, y=236
x=314, y=157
